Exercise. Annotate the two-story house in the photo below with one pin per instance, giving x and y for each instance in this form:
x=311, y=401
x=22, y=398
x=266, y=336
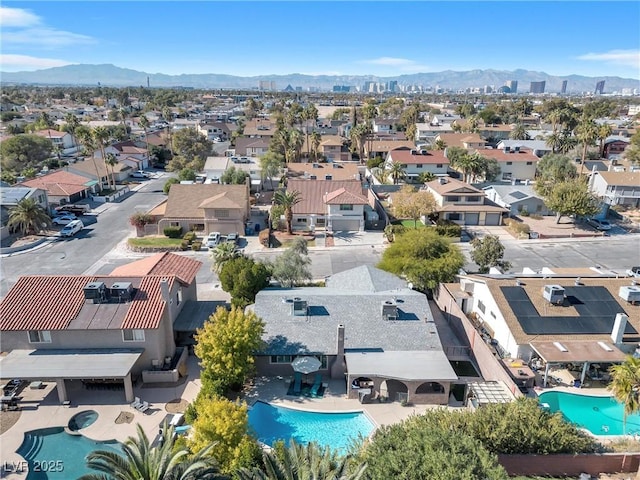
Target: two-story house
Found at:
x=62, y=140
x=325, y=171
x=461, y=140
x=538, y=147
x=132, y=154
x=96, y=327
x=337, y=205
x=463, y=204
x=212, y=129
x=613, y=147
x=384, y=125
x=207, y=208
x=260, y=128
x=516, y=163
x=252, y=146
x=427, y=132
x=414, y=162
x=616, y=188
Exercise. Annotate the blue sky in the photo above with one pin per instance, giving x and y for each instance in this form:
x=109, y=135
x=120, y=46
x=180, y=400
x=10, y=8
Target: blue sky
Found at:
x=324, y=37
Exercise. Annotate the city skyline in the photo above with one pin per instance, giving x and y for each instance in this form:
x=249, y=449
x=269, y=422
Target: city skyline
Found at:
x=323, y=38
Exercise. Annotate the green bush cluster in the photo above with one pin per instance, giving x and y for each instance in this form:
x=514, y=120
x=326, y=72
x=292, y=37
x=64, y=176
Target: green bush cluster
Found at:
x=447, y=228
x=190, y=236
x=196, y=246
x=172, y=232
x=518, y=228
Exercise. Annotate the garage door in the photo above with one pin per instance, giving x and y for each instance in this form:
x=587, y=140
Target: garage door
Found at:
x=471, y=218
x=492, y=219
x=345, y=225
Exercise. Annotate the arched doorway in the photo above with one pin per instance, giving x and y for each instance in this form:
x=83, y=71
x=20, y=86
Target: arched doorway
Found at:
x=391, y=388
x=430, y=387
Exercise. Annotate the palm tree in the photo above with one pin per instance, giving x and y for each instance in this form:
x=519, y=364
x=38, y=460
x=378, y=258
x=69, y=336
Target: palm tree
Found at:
x=396, y=172
x=101, y=137
x=587, y=134
x=72, y=124
x=316, y=138
x=112, y=161
x=143, y=121
x=439, y=144
x=309, y=113
x=85, y=137
x=300, y=462
x=141, y=461
x=28, y=217
x=426, y=177
x=554, y=141
x=293, y=144
x=167, y=114
x=222, y=254
x=625, y=384
x=519, y=132
x=604, y=131
x=287, y=200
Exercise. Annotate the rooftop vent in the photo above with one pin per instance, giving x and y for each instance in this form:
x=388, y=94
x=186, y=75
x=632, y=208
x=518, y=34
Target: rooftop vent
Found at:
x=328, y=177
x=505, y=149
x=316, y=165
x=336, y=165
x=560, y=347
x=299, y=307
x=389, y=310
x=605, y=347
x=121, y=291
x=95, y=291
x=442, y=180
x=630, y=293
x=554, y=294
x=516, y=149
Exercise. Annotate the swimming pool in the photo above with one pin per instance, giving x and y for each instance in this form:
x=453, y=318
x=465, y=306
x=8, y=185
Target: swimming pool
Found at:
x=54, y=454
x=599, y=415
x=82, y=420
x=336, y=430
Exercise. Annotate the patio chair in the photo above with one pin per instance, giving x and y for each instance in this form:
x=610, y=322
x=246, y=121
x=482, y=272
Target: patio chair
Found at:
x=316, y=385
x=136, y=403
x=297, y=384
x=144, y=407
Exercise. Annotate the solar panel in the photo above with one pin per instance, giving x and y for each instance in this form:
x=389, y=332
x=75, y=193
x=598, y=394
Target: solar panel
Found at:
x=518, y=194
x=595, y=306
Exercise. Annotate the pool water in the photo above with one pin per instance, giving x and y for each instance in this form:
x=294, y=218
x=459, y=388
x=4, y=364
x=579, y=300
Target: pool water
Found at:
x=82, y=420
x=336, y=430
x=599, y=415
x=59, y=455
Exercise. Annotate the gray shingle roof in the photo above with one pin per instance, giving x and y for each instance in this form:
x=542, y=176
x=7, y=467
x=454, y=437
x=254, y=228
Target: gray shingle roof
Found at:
x=365, y=278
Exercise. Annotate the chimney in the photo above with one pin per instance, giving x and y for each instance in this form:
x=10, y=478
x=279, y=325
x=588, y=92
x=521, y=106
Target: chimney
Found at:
x=164, y=288
x=618, y=328
x=338, y=366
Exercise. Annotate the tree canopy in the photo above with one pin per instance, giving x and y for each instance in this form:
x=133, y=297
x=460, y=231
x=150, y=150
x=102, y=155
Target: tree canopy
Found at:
x=234, y=176
x=572, y=198
x=625, y=384
x=423, y=257
x=488, y=252
x=190, y=148
x=553, y=169
x=23, y=151
x=243, y=278
x=413, y=204
x=291, y=267
x=28, y=217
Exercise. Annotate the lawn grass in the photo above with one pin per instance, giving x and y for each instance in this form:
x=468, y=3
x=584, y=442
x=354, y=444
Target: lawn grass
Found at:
x=155, y=242
x=288, y=243
x=409, y=224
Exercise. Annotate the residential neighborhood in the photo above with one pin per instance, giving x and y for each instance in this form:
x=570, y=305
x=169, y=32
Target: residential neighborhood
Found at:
x=175, y=258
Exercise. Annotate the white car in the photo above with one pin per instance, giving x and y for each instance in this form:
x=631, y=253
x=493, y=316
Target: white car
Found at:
x=64, y=219
x=634, y=272
x=599, y=224
x=139, y=174
x=71, y=228
x=213, y=239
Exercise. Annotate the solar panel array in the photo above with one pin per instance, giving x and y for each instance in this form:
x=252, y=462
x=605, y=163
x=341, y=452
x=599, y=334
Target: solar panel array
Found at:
x=595, y=306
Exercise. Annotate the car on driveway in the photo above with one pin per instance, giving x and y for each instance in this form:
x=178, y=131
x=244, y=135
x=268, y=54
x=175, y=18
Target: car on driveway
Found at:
x=599, y=224
x=233, y=238
x=71, y=228
x=139, y=174
x=64, y=219
x=213, y=239
x=73, y=208
x=634, y=272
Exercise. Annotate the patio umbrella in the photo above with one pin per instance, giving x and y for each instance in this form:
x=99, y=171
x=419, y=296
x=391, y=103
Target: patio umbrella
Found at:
x=306, y=365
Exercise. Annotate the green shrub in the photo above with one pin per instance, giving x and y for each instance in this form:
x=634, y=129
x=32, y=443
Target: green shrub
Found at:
x=196, y=246
x=518, y=228
x=190, y=236
x=524, y=213
x=184, y=246
x=173, y=232
x=447, y=228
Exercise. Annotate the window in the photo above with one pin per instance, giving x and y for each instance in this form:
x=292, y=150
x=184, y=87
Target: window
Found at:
x=454, y=216
x=133, y=335
x=282, y=358
x=39, y=336
x=197, y=227
x=509, y=163
x=301, y=220
x=221, y=213
x=438, y=165
x=473, y=199
x=346, y=207
x=179, y=296
x=506, y=176
x=419, y=165
x=529, y=163
x=481, y=306
x=174, y=224
x=493, y=314
x=453, y=198
x=404, y=165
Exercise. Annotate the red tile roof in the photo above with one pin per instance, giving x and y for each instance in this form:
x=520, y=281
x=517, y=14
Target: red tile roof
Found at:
x=312, y=193
x=148, y=305
x=524, y=155
x=343, y=197
x=408, y=158
x=166, y=264
x=59, y=183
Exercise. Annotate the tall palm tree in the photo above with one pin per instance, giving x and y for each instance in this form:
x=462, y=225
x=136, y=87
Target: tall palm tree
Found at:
x=625, y=384
x=426, y=177
x=167, y=114
x=604, y=131
x=143, y=121
x=310, y=112
x=85, y=136
x=587, y=134
x=439, y=144
x=141, y=461
x=519, y=132
x=316, y=138
x=112, y=161
x=101, y=137
x=28, y=217
x=222, y=254
x=71, y=126
x=300, y=462
x=396, y=172
x=287, y=200
x=554, y=141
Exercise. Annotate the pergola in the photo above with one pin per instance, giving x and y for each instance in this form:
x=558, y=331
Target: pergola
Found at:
x=71, y=364
x=585, y=352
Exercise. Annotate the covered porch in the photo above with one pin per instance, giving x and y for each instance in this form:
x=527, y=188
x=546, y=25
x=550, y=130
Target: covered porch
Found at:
x=580, y=357
x=419, y=377
x=91, y=365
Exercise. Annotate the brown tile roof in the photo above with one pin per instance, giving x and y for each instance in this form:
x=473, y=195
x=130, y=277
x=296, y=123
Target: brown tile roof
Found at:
x=453, y=185
x=166, y=263
x=459, y=139
x=338, y=171
x=524, y=155
x=534, y=287
x=312, y=193
x=414, y=157
x=222, y=200
x=388, y=145
x=184, y=200
x=51, y=133
x=147, y=307
x=87, y=166
x=623, y=179
x=59, y=183
x=343, y=197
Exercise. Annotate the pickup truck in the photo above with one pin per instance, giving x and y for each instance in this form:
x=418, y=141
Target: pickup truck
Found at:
x=76, y=209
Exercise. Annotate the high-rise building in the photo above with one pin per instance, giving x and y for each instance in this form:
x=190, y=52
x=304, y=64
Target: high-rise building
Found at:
x=599, y=87
x=513, y=86
x=392, y=86
x=341, y=88
x=563, y=90
x=537, y=87
x=267, y=85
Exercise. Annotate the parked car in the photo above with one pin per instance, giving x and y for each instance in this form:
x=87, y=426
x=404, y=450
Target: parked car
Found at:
x=233, y=238
x=634, y=272
x=75, y=208
x=139, y=174
x=213, y=239
x=64, y=219
x=599, y=224
x=71, y=228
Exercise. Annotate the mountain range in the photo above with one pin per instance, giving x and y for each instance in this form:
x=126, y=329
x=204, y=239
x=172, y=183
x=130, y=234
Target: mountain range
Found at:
x=111, y=75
